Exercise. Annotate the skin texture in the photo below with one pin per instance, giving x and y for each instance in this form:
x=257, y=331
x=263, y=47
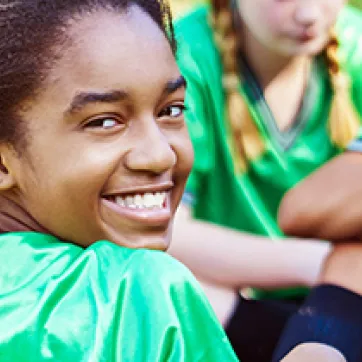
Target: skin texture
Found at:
x=327, y=205
x=314, y=352
x=83, y=152
x=290, y=27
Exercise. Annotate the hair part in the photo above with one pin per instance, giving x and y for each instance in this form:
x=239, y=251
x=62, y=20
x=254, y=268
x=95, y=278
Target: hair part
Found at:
x=30, y=32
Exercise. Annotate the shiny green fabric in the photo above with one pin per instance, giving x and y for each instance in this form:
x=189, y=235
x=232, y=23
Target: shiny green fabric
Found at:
x=59, y=302
x=249, y=202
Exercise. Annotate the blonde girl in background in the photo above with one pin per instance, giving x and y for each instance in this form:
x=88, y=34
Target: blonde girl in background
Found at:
x=274, y=92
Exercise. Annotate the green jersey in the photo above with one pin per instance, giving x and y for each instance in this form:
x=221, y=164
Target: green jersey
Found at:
x=59, y=302
x=249, y=201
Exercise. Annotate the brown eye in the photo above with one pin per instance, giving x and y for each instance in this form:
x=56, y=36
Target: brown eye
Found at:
x=173, y=111
x=103, y=123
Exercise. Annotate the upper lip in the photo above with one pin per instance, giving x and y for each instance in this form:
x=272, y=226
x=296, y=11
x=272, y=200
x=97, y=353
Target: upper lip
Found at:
x=141, y=189
x=307, y=33
x=305, y=36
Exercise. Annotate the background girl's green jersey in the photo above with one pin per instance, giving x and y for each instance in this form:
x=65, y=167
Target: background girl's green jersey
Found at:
x=59, y=302
x=249, y=202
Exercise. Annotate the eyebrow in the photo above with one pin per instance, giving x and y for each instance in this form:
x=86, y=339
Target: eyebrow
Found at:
x=82, y=99
x=174, y=85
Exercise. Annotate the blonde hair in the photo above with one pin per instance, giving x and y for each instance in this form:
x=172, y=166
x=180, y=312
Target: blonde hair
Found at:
x=344, y=121
x=245, y=140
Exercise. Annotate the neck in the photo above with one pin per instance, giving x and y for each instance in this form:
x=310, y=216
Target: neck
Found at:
x=268, y=64
x=14, y=218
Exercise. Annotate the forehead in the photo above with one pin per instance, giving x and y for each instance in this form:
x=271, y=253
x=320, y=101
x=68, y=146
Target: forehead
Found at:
x=110, y=49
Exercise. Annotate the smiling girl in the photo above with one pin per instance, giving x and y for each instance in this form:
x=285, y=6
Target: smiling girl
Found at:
x=93, y=147
x=274, y=91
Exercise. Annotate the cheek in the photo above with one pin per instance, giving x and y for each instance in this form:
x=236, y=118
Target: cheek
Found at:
x=79, y=174
x=182, y=146
x=276, y=17
x=332, y=10
x=67, y=194
x=89, y=170
x=263, y=20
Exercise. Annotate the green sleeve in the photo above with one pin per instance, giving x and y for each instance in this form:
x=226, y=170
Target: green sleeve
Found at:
x=105, y=303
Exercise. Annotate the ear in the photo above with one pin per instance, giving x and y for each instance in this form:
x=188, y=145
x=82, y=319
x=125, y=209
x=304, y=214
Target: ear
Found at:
x=7, y=180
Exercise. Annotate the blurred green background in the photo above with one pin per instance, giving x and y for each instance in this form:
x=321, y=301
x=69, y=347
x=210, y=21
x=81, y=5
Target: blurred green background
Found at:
x=357, y=3
x=180, y=6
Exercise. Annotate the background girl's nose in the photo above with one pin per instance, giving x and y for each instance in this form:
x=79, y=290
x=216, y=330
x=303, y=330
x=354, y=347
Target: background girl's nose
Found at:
x=307, y=13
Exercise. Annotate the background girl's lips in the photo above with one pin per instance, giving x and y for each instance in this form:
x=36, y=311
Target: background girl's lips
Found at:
x=304, y=37
x=308, y=34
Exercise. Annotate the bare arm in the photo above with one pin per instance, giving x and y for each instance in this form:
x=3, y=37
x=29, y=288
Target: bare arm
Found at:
x=235, y=259
x=327, y=204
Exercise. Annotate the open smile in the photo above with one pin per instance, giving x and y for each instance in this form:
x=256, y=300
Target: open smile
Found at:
x=152, y=208
x=156, y=200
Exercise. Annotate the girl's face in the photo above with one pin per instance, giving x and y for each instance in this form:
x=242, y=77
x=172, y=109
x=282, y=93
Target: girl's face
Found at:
x=290, y=27
x=108, y=151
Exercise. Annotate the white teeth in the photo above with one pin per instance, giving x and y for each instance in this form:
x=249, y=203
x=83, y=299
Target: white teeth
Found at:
x=138, y=201
x=120, y=201
x=160, y=197
x=130, y=202
x=149, y=200
x=146, y=201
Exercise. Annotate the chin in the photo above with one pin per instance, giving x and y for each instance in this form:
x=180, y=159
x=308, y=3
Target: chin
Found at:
x=311, y=48
x=156, y=244
x=152, y=242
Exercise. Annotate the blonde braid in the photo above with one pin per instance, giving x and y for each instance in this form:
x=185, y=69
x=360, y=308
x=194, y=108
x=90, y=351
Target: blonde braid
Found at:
x=245, y=142
x=344, y=122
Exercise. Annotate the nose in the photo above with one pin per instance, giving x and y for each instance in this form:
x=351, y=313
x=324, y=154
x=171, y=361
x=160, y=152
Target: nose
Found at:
x=307, y=12
x=151, y=153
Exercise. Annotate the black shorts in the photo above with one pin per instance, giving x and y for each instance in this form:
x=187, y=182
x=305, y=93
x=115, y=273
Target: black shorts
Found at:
x=256, y=326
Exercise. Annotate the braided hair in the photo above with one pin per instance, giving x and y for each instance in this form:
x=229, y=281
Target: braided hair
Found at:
x=343, y=118
x=245, y=140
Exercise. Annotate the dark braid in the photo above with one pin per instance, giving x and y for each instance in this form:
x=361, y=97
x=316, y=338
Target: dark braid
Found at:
x=30, y=33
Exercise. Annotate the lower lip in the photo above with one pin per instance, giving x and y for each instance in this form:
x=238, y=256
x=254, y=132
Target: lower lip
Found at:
x=148, y=217
x=304, y=38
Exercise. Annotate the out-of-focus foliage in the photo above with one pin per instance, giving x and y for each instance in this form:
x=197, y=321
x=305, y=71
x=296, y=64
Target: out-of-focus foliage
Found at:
x=357, y=3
